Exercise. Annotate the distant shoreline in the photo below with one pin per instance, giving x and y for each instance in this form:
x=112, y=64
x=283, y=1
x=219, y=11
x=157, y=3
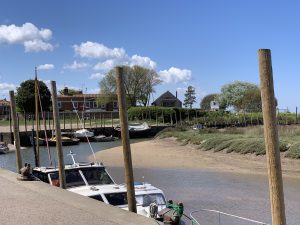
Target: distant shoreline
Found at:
x=171, y=154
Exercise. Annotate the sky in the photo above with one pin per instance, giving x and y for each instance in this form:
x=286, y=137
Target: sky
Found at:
x=205, y=44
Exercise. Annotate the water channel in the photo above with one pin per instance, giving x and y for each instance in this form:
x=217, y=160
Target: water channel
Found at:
x=240, y=194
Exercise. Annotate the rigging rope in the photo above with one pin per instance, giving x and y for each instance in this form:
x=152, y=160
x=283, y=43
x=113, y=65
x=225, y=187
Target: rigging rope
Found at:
x=81, y=124
x=45, y=127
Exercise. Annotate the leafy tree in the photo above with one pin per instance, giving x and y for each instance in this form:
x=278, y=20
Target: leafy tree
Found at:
x=231, y=94
x=250, y=102
x=190, y=97
x=25, y=98
x=70, y=91
x=205, y=102
x=139, y=83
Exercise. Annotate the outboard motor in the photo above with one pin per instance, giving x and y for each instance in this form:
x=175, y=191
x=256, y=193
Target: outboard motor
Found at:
x=153, y=209
x=172, y=214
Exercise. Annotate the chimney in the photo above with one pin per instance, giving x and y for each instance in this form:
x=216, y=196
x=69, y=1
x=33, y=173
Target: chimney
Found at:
x=66, y=91
x=176, y=93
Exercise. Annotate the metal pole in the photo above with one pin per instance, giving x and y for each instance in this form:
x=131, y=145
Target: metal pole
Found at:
x=16, y=131
x=271, y=137
x=60, y=156
x=125, y=140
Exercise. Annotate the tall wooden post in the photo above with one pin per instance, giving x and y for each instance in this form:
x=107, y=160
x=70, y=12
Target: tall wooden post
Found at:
x=296, y=115
x=271, y=137
x=60, y=156
x=25, y=121
x=125, y=140
x=16, y=131
x=37, y=118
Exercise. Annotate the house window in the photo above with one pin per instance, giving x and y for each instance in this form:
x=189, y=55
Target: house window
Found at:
x=115, y=104
x=87, y=104
x=95, y=105
x=59, y=104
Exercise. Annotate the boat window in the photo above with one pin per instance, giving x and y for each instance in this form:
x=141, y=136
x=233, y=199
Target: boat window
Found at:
x=73, y=178
x=147, y=199
x=96, y=176
x=97, y=197
x=117, y=198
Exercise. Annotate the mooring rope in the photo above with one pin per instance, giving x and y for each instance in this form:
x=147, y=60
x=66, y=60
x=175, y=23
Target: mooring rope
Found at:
x=45, y=127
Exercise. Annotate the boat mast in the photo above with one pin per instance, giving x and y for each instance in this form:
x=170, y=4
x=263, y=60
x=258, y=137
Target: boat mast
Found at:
x=37, y=118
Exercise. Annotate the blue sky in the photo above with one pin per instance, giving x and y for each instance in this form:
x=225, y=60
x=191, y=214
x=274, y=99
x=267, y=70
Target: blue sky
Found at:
x=205, y=44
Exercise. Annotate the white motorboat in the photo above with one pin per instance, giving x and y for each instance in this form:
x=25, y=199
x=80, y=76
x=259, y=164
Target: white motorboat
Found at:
x=84, y=133
x=135, y=130
x=3, y=148
x=93, y=180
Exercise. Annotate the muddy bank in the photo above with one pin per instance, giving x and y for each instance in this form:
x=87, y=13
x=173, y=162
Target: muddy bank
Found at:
x=169, y=153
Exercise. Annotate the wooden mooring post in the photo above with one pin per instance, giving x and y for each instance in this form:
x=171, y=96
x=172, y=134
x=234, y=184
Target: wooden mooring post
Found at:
x=60, y=156
x=271, y=137
x=16, y=130
x=125, y=140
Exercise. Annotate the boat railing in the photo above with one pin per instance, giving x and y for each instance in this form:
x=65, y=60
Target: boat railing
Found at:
x=214, y=217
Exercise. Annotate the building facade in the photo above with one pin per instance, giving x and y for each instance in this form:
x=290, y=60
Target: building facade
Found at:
x=87, y=102
x=4, y=109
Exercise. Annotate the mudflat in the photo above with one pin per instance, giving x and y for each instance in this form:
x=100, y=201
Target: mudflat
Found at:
x=170, y=153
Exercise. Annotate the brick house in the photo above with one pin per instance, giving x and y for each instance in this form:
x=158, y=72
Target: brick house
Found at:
x=167, y=99
x=87, y=102
x=4, y=108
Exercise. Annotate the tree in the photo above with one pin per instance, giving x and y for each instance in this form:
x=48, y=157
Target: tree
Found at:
x=139, y=83
x=25, y=98
x=231, y=94
x=205, y=102
x=190, y=97
x=250, y=102
x=70, y=91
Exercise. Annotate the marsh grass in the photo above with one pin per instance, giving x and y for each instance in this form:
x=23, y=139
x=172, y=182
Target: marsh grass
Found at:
x=239, y=140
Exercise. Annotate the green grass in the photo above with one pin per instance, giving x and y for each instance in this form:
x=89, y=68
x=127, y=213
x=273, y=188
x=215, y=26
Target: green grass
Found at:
x=239, y=140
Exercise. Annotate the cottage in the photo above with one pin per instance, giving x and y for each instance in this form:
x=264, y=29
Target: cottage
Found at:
x=167, y=99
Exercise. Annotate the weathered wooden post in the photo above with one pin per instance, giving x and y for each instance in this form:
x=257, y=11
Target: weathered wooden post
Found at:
x=296, y=115
x=71, y=121
x=271, y=137
x=25, y=121
x=10, y=128
x=60, y=156
x=125, y=140
x=112, y=119
x=16, y=130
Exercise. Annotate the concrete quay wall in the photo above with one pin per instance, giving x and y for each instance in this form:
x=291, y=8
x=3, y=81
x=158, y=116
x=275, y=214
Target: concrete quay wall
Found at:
x=38, y=203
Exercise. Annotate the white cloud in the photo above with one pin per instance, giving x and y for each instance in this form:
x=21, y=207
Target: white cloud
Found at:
x=110, y=57
x=175, y=75
x=45, y=67
x=98, y=50
x=96, y=76
x=142, y=61
x=76, y=66
x=5, y=88
x=29, y=35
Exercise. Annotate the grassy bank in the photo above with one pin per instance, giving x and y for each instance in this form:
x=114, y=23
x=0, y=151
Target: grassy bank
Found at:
x=240, y=140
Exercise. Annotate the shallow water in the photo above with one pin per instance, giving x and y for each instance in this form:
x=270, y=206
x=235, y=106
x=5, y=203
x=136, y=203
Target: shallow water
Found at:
x=240, y=194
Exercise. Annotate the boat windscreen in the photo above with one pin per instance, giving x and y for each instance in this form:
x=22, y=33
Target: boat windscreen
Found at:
x=117, y=198
x=96, y=176
x=73, y=178
x=147, y=199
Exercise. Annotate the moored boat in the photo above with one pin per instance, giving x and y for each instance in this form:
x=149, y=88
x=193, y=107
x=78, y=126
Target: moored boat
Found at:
x=3, y=148
x=103, y=138
x=136, y=130
x=84, y=134
x=65, y=141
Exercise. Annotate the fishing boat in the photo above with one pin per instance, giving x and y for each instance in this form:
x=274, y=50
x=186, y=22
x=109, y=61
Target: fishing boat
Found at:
x=3, y=148
x=136, y=130
x=103, y=138
x=65, y=141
